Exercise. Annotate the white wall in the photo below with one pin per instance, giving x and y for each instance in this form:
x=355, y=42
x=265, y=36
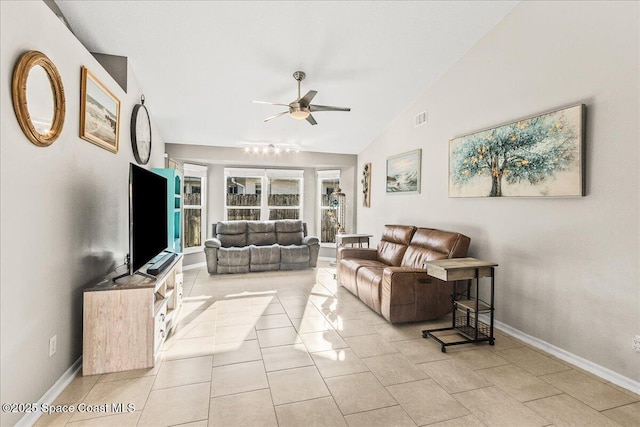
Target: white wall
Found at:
x=64, y=210
x=569, y=268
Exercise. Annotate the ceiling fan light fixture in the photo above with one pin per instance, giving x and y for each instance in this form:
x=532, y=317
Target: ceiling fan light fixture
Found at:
x=299, y=113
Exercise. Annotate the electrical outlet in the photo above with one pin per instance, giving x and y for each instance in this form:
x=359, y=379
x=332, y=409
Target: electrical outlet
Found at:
x=53, y=345
x=636, y=343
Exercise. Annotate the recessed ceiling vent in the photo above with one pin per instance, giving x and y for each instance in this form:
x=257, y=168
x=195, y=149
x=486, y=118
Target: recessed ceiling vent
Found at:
x=421, y=119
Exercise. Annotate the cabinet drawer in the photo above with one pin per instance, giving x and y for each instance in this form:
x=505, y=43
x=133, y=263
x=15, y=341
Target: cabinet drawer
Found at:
x=179, y=282
x=160, y=329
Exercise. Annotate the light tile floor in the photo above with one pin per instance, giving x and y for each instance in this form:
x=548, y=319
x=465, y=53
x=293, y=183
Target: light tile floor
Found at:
x=296, y=349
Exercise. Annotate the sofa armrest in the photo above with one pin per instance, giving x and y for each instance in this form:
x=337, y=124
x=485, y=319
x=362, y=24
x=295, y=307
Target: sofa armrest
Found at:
x=211, y=247
x=310, y=240
x=359, y=253
x=314, y=249
x=212, y=243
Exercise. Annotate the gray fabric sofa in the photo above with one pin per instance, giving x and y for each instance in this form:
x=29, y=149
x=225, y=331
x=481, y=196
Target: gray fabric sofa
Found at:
x=246, y=246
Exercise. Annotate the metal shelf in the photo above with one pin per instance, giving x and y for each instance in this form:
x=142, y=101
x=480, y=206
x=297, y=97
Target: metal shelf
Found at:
x=468, y=329
x=470, y=304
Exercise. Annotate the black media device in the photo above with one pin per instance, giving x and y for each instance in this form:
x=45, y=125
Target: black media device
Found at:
x=147, y=217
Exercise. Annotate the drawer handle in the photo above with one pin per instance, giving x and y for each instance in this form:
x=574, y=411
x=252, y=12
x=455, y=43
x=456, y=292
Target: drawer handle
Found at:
x=162, y=333
x=162, y=317
x=424, y=280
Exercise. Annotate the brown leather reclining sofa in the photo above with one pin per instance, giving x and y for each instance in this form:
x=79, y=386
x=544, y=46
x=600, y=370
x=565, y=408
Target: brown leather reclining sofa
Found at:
x=392, y=279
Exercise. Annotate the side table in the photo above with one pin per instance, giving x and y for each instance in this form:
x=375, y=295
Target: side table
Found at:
x=352, y=239
x=466, y=305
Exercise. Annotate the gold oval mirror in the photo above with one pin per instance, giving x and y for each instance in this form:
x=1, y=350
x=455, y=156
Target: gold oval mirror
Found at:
x=38, y=98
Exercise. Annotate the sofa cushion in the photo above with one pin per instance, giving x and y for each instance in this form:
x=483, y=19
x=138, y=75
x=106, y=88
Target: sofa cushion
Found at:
x=398, y=233
x=391, y=253
x=232, y=233
x=294, y=254
x=348, y=270
x=261, y=233
x=289, y=232
x=234, y=256
x=265, y=254
x=428, y=244
x=393, y=243
x=369, y=281
x=415, y=256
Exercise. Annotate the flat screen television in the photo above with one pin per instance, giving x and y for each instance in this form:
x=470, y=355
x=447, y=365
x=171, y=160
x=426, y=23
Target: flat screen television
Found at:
x=147, y=216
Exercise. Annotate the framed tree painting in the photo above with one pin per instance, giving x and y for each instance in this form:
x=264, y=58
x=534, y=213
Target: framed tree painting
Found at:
x=539, y=156
x=403, y=172
x=99, y=113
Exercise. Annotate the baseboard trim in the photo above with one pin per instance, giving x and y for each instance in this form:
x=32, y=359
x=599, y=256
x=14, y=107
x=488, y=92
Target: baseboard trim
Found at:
x=194, y=266
x=326, y=258
x=594, y=368
x=50, y=396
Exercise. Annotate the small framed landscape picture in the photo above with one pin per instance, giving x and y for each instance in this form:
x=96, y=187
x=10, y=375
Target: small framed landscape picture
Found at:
x=99, y=113
x=403, y=173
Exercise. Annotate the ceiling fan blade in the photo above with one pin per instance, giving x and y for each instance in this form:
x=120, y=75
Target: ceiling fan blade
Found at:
x=269, y=103
x=311, y=120
x=313, y=108
x=308, y=97
x=277, y=115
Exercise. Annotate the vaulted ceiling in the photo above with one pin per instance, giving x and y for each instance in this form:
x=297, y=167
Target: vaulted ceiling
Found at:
x=201, y=63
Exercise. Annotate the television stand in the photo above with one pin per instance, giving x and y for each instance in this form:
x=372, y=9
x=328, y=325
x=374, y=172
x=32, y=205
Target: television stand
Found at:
x=161, y=264
x=126, y=322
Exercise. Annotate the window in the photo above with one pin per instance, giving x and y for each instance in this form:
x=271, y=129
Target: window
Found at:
x=284, y=194
x=194, y=191
x=328, y=181
x=245, y=199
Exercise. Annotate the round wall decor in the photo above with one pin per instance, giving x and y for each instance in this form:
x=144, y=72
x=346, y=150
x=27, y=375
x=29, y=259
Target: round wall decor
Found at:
x=38, y=98
x=141, y=133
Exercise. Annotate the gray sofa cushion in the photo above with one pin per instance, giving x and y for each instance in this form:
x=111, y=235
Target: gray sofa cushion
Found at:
x=289, y=232
x=261, y=233
x=234, y=256
x=265, y=254
x=232, y=233
x=294, y=254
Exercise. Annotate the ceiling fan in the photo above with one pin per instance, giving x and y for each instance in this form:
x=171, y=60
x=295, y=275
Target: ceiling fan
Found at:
x=302, y=108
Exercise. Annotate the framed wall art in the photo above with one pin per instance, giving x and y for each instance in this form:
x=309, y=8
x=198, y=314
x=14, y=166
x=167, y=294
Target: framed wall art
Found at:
x=403, y=173
x=99, y=113
x=366, y=185
x=538, y=156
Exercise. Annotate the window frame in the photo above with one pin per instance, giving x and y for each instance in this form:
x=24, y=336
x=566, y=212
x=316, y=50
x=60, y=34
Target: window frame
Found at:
x=324, y=175
x=265, y=175
x=196, y=171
